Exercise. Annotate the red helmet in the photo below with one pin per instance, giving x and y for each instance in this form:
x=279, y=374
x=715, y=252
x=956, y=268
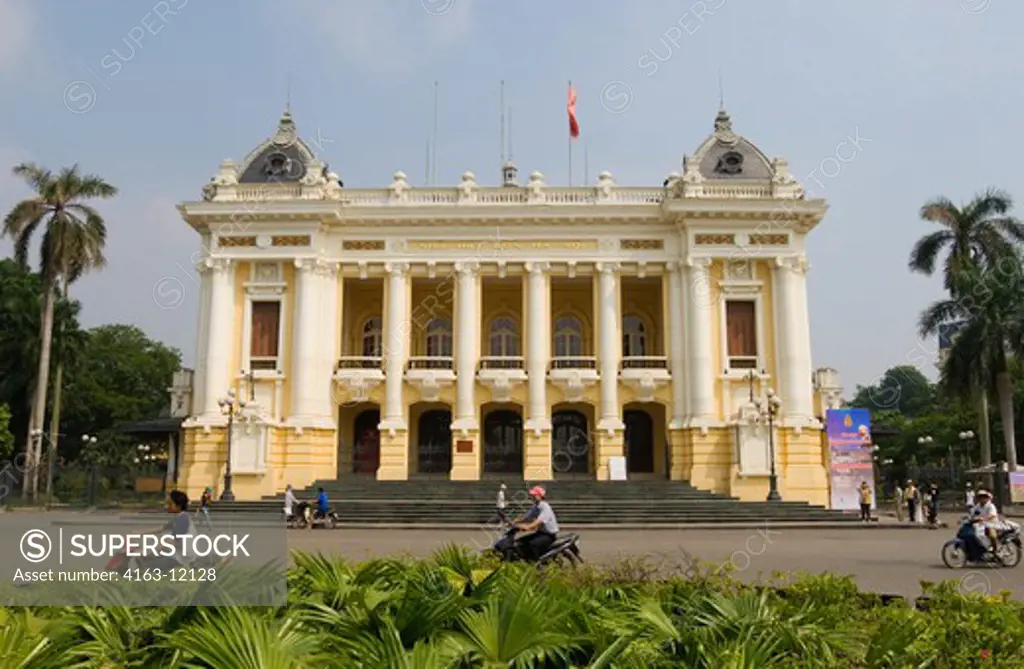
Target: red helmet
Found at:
x=537, y=491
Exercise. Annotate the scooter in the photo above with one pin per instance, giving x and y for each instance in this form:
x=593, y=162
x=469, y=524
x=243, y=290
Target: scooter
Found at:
x=966, y=548
x=307, y=516
x=565, y=549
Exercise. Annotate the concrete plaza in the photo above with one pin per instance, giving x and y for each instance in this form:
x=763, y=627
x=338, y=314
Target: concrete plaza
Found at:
x=884, y=560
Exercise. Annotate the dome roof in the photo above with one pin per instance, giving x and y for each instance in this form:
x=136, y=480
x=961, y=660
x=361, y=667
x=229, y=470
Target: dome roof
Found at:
x=726, y=155
x=283, y=158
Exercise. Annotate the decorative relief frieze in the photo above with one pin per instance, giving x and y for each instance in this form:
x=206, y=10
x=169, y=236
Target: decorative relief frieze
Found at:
x=363, y=245
x=714, y=240
x=769, y=240
x=291, y=240
x=235, y=241
x=509, y=245
x=642, y=244
x=739, y=270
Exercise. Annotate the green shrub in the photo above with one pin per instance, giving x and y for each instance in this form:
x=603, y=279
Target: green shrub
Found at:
x=460, y=610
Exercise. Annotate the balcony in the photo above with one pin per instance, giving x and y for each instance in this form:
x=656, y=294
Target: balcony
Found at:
x=645, y=374
x=501, y=375
x=580, y=362
x=430, y=375
x=263, y=364
x=358, y=376
x=573, y=375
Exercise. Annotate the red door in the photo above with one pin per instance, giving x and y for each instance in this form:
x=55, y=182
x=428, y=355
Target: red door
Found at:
x=366, y=455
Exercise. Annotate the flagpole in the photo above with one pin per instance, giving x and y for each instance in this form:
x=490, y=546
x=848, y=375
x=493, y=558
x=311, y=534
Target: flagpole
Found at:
x=586, y=163
x=570, y=142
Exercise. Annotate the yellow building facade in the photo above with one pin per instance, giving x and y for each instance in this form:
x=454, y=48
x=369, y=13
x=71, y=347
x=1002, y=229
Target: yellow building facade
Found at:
x=511, y=331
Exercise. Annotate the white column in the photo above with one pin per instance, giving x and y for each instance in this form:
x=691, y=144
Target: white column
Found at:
x=677, y=349
x=538, y=339
x=702, y=365
x=610, y=347
x=202, y=334
x=304, y=373
x=467, y=336
x=219, y=335
x=795, y=352
x=397, y=327
x=327, y=347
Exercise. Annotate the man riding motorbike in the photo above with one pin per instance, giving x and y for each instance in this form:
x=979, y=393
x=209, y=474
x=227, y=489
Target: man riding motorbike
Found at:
x=986, y=514
x=540, y=524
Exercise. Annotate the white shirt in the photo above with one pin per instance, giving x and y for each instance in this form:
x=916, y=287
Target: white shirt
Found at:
x=970, y=498
x=501, y=500
x=989, y=516
x=289, y=502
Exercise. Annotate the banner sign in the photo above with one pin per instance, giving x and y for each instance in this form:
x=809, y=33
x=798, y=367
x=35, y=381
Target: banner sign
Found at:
x=851, y=455
x=1017, y=487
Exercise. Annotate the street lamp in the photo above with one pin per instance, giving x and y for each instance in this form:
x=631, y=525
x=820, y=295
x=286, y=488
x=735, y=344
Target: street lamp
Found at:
x=230, y=406
x=770, y=410
x=965, y=438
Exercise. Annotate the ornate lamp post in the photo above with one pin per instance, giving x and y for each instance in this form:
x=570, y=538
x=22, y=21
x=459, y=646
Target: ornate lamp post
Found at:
x=769, y=408
x=966, y=438
x=87, y=441
x=230, y=406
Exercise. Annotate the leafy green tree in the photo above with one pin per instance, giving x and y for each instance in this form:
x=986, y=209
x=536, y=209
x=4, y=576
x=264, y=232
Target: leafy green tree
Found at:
x=21, y=301
x=902, y=388
x=6, y=438
x=121, y=375
x=73, y=237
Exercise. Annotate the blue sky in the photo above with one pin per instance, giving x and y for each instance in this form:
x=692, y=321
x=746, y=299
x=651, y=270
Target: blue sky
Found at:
x=932, y=88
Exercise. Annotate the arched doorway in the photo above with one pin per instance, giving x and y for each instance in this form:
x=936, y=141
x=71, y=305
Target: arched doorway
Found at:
x=570, y=444
x=435, y=442
x=639, y=441
x=503, y=442
x=366, y=441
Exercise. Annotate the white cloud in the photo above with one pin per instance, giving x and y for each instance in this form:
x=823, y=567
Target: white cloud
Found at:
x=382, y=37
x=17, y=27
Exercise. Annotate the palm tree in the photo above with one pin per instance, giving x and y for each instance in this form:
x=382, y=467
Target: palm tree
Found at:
x=977, y=234
x=991, y=311
x=72, y=242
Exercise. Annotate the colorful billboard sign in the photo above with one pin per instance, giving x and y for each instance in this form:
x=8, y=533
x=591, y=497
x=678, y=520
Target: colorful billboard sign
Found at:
x=1017, y=487
x=851, y=457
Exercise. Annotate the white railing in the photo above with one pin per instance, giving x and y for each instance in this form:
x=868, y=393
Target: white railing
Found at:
x=738, y=191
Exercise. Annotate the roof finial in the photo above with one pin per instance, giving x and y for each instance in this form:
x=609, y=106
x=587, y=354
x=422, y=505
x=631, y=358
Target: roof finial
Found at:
x=721, y=91
x=288, y=96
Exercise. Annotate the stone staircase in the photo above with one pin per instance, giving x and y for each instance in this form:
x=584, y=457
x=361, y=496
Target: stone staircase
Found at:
x=440, y=502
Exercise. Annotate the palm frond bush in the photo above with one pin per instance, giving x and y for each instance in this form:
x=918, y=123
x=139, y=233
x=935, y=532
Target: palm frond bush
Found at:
x=457, y=610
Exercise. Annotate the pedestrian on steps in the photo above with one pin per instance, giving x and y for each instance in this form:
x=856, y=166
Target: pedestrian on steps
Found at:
x=500, y=505
x=203, y=513
x=898, y=496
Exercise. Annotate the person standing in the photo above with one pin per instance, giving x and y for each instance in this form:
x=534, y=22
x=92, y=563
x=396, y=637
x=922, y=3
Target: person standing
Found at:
x=289, y=502
x=912, y=499
x=500, y=504
x=864, y=493
x=898, y=495
x=969, y=497
x=933, y=506
x=204, y=508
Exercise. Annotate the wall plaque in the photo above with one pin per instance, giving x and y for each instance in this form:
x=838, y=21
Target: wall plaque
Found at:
x=464, y=446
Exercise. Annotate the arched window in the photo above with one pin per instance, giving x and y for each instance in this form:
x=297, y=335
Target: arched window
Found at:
x=504, y=338
x=439, y=338
x=372, y=337
x=568, y=337
x=634, y=337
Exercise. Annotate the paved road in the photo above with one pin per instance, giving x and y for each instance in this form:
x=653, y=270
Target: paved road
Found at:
x=891, y=561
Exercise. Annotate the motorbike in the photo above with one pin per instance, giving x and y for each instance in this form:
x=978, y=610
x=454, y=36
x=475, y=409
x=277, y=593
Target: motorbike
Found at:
x=564, y=551
x=305, y=515
x=966, y=548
